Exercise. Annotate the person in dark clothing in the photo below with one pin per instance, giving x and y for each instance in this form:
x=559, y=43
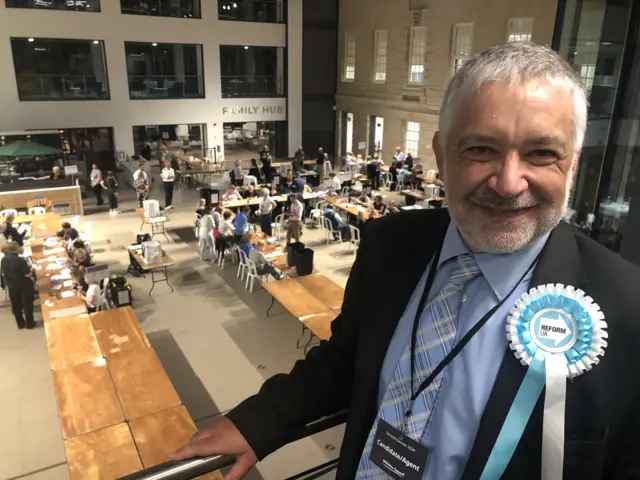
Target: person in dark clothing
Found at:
x=320, y=164
x=67, y=231
x=265, y=159
x=409, y=161
x=299, y=182
x=146, y=151
x=254, y=170
x=250, y=192
x=11, y=233
x=16, y=275
x=110, y=184
x=393, y=170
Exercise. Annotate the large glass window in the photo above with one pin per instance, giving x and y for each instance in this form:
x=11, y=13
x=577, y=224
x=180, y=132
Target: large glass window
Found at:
x=74, y=5
x=462, y=41
x=380, y=56
x=601, y=39
x=349, y=62
x=186, y=137
x=267, y=11
x=243, y=141
x=162, y=8
x=412, y=138
x=60, y=69
x=252, y=71
x=164, y=70
x=417, y=53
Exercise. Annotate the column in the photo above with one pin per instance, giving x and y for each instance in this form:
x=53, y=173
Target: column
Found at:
x=294, y=71
x=178, y=61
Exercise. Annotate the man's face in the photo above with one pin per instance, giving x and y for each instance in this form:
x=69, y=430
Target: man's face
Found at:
x=141, y=168
x=508, y=164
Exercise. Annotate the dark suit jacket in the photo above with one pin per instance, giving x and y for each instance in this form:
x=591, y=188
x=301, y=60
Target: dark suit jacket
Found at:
x=11, y=231
x=602, y=439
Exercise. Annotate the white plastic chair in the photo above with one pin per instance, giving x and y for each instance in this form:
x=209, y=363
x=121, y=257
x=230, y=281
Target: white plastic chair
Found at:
x=327, y=168
x=103, y=303
x=387, y=180
x=316, y=214
x=243, y=265
x=252, y=275
x=278, y=226
x=249, y=180
x=329, y=231
x=222, y=256
x=354, y=240
x=8, y=211
x=431, y=175
x=400, y=184
x=86, y=234
x=344, y=193
x=37, y=211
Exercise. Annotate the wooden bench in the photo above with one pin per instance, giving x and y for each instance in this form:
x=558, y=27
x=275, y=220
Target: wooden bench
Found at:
x=118, y=330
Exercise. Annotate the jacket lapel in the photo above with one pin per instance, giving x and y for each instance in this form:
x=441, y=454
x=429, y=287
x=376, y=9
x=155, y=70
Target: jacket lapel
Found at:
x=560, y=263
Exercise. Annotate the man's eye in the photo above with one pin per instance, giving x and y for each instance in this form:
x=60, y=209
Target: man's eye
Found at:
x=479, y=154
x=544, y=156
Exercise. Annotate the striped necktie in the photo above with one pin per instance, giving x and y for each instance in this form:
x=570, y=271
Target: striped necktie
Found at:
x=435, y=338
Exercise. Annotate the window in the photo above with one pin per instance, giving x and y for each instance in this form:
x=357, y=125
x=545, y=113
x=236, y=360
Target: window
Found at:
x=77, y=5
x=380, y=56
x=462, y=40
x=249, y=71
x=60, y=69
x=587, y=74
x=519, y=30
x=164, y=70
x=349, y=71
x=412, y=138
x=265, y=11
x=417, y=51
x=172, y=136
x=162, y=8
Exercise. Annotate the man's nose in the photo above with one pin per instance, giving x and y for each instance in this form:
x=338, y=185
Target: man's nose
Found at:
x=508, y=181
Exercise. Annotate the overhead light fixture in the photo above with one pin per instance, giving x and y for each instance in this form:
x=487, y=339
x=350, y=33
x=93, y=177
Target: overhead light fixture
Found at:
x=96, y=42
x=246, y=47
x=32, y=39
x=154, y=44
x=235, y=5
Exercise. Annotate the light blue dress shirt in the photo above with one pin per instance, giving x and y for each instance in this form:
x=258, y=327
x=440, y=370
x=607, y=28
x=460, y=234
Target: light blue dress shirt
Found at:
x=470, y=376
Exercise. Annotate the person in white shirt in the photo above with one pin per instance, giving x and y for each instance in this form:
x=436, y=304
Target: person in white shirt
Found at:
x=336, y=184
x=168, y=176
x=364, y=199
x=140, y=172
x=256, y=255
x=96, y=183
x=238, y=173
x=295, y=219
x=205, y=234
x=399, y=156
x=266, y=207
x=92, y=297
x=217, y=217
x=226, y=230
x=231, y=195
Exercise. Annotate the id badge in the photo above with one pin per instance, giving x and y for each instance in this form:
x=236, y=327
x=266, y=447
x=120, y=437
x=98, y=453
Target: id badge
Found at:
x=398, y=455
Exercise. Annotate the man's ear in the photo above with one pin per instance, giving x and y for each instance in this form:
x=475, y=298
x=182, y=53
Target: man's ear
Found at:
x=574, y=167
x=438, y=150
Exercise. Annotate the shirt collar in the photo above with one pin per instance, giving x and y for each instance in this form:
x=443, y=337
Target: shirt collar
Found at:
x=500, y=270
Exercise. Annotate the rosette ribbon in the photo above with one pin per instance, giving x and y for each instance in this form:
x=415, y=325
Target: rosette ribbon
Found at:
x=558, y=332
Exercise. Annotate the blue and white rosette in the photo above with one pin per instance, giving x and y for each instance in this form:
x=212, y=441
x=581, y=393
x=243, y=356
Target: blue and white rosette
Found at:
x=558, y=332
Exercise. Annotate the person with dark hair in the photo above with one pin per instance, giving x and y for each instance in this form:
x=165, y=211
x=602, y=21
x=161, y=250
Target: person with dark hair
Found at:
x=142, y=185
x=65, y=233
x=95, y=178
x=110, y=184
x=226, y=230
x=168, y=175
x=17, y=276
x=254, y=170
x=240, y=222
x=265, y=159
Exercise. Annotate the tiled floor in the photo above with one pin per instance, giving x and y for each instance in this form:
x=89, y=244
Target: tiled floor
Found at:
x=212, y=336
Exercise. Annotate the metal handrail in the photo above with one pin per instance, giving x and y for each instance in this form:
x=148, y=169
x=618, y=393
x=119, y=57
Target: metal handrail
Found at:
x=194, y=467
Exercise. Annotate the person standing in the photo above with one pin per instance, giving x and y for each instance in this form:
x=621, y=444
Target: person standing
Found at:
x=110, y=184
x=141, y=183
x=320, y=156
x=168, y=175
x=266, y=207
x=96, y=183
x=16, y=275
x=205, y=234
x=294, y=228
x=399, y=157
x=11, y=233
x=240, y=223
x=266, y=166
x=146, y=151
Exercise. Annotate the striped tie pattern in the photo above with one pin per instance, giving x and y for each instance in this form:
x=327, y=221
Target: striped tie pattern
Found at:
x=434, y=340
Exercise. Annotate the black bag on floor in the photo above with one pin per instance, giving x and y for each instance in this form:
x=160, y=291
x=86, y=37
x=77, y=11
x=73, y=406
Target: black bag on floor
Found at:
x=142, y=237
x=303, y=261
x=120, y=292
x=291, y=249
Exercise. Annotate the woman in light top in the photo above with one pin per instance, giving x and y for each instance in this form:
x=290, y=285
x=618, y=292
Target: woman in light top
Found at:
x=205, y=234
x=266, y=207
x=91, y=296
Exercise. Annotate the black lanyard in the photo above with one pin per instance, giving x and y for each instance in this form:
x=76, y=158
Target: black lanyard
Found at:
x=453, y=353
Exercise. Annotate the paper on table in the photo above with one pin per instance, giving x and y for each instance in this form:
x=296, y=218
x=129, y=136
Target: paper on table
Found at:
x=67, y=294
x=273, y=255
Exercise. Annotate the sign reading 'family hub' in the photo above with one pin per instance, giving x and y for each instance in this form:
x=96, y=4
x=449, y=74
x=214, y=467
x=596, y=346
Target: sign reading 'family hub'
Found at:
x=252, y=110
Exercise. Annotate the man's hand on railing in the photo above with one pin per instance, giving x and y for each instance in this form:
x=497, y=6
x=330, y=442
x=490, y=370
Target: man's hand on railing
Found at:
x=221, y=439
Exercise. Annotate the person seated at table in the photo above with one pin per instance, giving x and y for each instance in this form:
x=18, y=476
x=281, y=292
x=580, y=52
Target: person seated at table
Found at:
x=364, y=199
x=287, y=182
x=263, y=266
x=231, y=195
x=81, y=256
x=66, y=231
x=404, y=176
x=73, y=236
x=254, y=170
x=273, y=191
x=55, y=175
x=11, y=232
x=205, y=232
x=337, y=224
x=90, y=295
x=250, y=192
x=379, y=206
x=336, y=184
x=392, y=208
x=245, y=243
x=414, y=180
x=226, y=231
x=299, y=182
x=240, y=223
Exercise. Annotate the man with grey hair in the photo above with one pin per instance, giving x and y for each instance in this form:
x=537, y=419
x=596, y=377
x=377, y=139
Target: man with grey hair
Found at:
x=431, y=386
